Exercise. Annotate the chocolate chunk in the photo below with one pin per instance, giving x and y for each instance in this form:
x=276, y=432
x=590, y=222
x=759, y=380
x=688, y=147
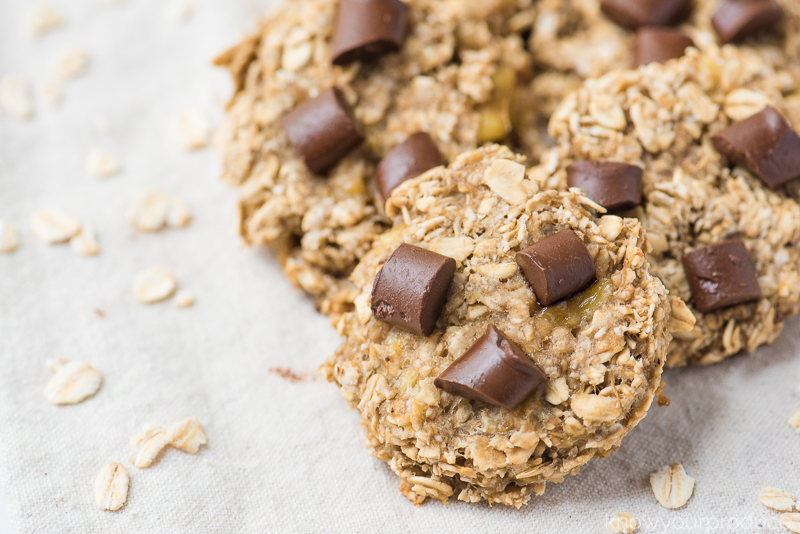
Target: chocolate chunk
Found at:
x=659, y=45
x=493, y=370
x=721, y=275
x=414, y=156
x=765, y=145
x=366, y=29
x=633, y=14
x=411, y=288
x=323, y=130
x=735, y=20
x=557, y=266
x=615, y=186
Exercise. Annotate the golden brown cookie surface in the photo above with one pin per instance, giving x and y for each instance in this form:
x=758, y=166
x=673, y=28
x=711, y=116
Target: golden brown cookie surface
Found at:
x=663, y=118
x=455, y=77
x=601, y=350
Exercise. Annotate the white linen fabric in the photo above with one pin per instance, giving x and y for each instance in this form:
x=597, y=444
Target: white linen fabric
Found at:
x=282, y=456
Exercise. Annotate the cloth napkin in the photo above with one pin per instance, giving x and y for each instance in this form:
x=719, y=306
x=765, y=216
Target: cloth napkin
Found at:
x=284, y=453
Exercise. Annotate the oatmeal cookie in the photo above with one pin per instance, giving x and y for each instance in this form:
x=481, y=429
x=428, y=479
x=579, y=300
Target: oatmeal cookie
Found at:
x=572, y=40
x=460, y=75
x=663, y=119
x=780, y=47
x=600, y=352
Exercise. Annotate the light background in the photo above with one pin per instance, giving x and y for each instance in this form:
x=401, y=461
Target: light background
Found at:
x=282, y=457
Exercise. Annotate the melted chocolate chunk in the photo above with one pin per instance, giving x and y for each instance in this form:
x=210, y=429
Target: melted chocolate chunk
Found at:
x=557, y=266
x=765, y=145
x=736, y=20
x=615, y=186
x=721, y=275
x=411, y=288
x=367, y=29
x=659, y=45
x=494, y=370
x=323, y=130
x=633, y=14
x=413, y=157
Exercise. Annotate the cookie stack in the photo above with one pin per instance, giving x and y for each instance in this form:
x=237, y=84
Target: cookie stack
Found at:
x=504, y=324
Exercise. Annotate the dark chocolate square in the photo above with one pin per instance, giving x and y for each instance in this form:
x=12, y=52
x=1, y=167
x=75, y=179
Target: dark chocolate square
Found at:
x=557, y=266
x=411, y=288
x=721, y=275
x=494, y=370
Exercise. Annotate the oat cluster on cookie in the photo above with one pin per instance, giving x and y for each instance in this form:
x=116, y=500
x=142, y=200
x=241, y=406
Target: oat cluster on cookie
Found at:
x=693, y=194
x=574, y=40
x=459, y=76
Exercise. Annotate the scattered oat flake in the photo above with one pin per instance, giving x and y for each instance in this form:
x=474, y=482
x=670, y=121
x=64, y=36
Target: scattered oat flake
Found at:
x=53, y=226
x=101, y=163
x=153, y=210
x=85, y=242
x=71, y=64
x=148, y=212
x=9, y=239
x=791, y=522
x=15, y=97
x=154, y=285
x=42, y=19
x=794, y=420
x=623, y=524
x=111, y=487
x=178, y=214
x=192, y=130
x=187, y=435
x=184, y=299
x=776, y=499
x=672, y=486
x=72, y=383
x=149, y=445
